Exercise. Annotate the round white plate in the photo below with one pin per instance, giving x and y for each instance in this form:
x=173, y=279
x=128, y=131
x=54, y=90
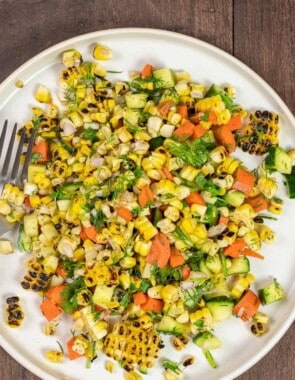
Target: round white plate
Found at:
x=132, y=48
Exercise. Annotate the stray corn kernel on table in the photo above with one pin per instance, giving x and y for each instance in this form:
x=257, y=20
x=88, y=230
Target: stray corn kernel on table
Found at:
x=256, y=32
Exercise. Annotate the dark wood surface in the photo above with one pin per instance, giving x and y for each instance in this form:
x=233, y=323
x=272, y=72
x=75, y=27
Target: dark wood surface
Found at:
x=258, y=32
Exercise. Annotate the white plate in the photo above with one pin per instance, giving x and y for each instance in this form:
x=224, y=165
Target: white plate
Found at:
x=132, y=48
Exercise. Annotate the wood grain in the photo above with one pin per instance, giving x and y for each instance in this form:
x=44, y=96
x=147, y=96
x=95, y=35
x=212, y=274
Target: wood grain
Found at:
x=258, y=32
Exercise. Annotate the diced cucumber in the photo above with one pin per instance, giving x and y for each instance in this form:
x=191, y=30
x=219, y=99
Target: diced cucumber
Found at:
x=136, y=100
x=31, y=225
x=207, y=341
x=211, y=214
x=290, y=181
x=220, y=288
x=240, y=265
x=169, y=325
x=204, y=268
x=24, y=242
x=71, y=187
x=278, y=159
x=234, y=198
x=165, y=77
x=213, y=263
x=220, y=308
x=271, y=293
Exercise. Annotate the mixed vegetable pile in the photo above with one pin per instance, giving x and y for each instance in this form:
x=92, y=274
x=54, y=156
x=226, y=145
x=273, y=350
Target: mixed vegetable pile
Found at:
x=138, y=219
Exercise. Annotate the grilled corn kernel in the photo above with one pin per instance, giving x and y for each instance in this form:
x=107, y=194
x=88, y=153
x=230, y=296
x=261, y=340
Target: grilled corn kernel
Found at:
x=128, y=262
x=109, y=366
x=5, y=208
x=275, y=206
x=102, y=52
x=267, y=235
x=54, y=356
x=49, y=328
x=43, y=94
x=170, y=294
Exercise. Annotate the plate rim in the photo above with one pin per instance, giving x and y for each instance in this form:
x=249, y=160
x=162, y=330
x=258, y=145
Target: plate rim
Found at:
x=13, y=352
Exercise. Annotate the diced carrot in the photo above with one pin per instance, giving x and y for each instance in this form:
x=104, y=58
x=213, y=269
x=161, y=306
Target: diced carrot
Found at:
x=198, y=132
x=250, y=252
x=182, y=110
x=27, y=201
x=164, y=107
x=140, y=298
x=124, y=213
x=185, y=130
x=90, y=233
x=159, y=253
x=223, y=220
x=42, y=148
x=49, y=309
x=153, y=304
x=247, y=306
x=258, y=203
x=212, y=117
x=185, y=271
x=54, y=294
x=167, y=174
x=234, y=249
x=71, y=353
x=225, y=137
x=60, y=270
x=244, y=181
x=196, y=118
x=176, y=258
x=147, y=71
x=145, y=196
x=235, y=123
x=195, y=198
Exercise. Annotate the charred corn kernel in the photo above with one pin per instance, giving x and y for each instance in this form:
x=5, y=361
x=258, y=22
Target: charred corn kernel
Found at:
x=49, y=329
x=207, y=169
x=5, y=208
x=172, y=213
x=188, y=225
x=258, y=328
x=252, y=240
x=54, y=356
x=142, y=247
x=174, y=118
x=14, y=313
x=109, y=366
x=80, y=345
x=166, y=225
x=99, y=70
x=35, y=201
x=170, y=294
x=213, y=103
x=123, y=134
x=182, y=75
x=267, y=235
x=124, y=280
x=179, y=342
x=223, y=117
x=182, y=87
x=200, y=231
x=230, y=164
x=44, y=183
x=133, y=343
x=43, y=94
x=170, y=375
x=218, y=154
x=261, y=317
x=155, y=291
x=132, y=376
x=71, y=58
x=145, y=322
x=239, y=286
x=102, y=52
x=76, y=118
x=145, y=228
x=189, y=172
x=197, y=91
x=50, y=264
x=244, y=214
x=267, y=187
x=19, y=84
x=128, y=262
x=275, y=206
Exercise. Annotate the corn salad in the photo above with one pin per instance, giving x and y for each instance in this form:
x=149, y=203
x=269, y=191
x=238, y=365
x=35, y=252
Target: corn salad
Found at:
x=135, y=207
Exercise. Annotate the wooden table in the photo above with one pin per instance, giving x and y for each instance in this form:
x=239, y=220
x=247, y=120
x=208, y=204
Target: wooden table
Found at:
x=258, y=32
